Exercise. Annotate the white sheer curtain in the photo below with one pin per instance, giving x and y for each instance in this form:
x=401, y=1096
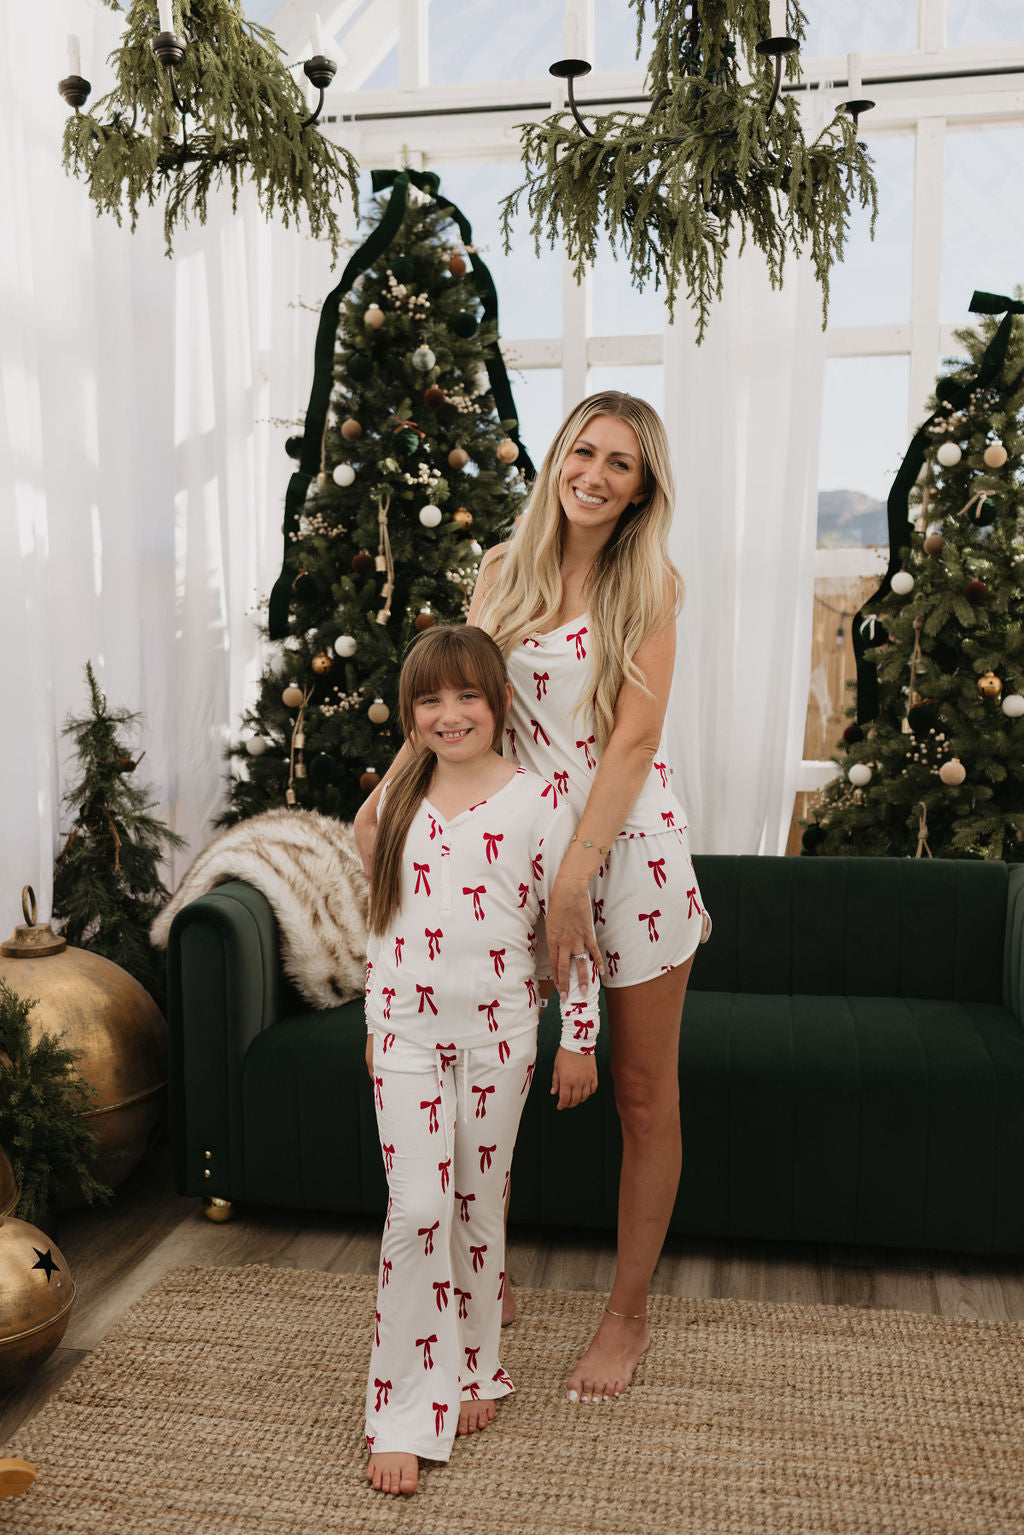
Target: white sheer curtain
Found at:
x=143, y=410
x=743, y=413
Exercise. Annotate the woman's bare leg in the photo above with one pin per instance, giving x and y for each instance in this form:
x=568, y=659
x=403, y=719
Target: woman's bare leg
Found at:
x=644, y=1035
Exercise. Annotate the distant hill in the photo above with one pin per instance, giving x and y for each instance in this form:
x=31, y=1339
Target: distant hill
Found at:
x=848, y=517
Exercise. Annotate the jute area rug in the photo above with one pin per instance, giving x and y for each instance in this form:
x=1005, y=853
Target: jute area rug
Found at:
x=229, y=1402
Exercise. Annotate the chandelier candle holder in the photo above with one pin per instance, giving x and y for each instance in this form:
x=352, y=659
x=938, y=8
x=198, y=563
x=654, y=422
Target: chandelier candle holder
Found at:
x=719, y=152
x=249, y=121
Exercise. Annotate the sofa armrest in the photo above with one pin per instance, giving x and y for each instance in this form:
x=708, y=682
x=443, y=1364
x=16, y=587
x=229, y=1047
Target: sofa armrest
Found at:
x=1013, y=947
x=225, y=985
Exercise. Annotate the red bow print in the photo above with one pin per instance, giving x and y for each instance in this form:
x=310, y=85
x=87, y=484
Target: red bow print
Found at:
x=387, y=1042
x=399, y=944
x=424, y=1344
x=694, y=906
x=435, y=826
x=476, y=891
x=481, y=1102
x=530, y=641
x=427, y=1232
x=583, y=1029
x=486, y=1156
x=669, y=817
x=488, y=1008
x=427, y=996
x=539, y=733
x=531, y=942
x=501, y=1284
x=433, y=942
x=389, y=1156
x=524, y=894
x=648, y=917
x=445, y=1169
x=447, y=1059
x=387, y=1220
x=529, y=1077
x=422, y=882
x=581, y=653
x=531, y=991
x=465, y=1200
x=537, y=863
x=541, y=679
x=562, y=782
x=383, y=1387
x=386, y=1266
x=491, y=840
x=471, y=1359
x=502, y=1377
x=662, y=768
x=657, y=868
x=441, y=1288
x=464, y=1297
x=584, y=747
x=511, y=741
x=504, y=1192
x=440, y=1408
x=599, y=913
x=611, y=960
x=387, y=992
x=432, y=1104
x=498, y=956
x=378, y=1086
x=376, y=1328
x=503, y=1051
x=478, y=1256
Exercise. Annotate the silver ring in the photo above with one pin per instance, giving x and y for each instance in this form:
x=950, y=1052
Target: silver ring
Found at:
x=581, y=956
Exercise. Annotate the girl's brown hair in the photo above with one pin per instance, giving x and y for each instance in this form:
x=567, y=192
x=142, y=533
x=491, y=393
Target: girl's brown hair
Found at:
x=450, y=655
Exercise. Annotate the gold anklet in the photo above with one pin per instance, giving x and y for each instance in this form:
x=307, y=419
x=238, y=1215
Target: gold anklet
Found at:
x=631, y=1316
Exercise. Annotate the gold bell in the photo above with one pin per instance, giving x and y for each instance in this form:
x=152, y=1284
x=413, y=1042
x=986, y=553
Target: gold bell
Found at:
x=989, y=685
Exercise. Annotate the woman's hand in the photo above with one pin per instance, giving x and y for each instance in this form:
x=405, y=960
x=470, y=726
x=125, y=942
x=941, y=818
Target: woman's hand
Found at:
x=573, y=1079
x=569, y=924
x=369, y=1055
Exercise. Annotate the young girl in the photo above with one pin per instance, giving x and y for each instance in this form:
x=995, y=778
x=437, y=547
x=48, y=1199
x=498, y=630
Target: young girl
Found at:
x=464, y=859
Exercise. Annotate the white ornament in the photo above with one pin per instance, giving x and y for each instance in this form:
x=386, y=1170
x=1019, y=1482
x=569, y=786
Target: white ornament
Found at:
x=374, y=317
x=430, y=516
x=902, y=583
x=949, y=454
x=859, y=775
x=423, y=359
x=256, y=745
x=1013, y=705
x=476, y=548
x=480, y=380
x=345, y=645
x=953, y=772
x=343, y=474
x=995, y=455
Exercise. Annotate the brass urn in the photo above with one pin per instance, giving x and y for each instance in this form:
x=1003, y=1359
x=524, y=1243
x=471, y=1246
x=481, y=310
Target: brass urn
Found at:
x=36, y=1295
x=109, y=1019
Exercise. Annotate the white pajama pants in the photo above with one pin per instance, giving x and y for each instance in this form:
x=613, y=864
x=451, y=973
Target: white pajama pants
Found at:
x=448, y=1121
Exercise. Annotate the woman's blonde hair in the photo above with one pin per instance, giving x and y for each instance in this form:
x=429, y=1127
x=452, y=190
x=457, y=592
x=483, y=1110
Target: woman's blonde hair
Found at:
x=450, y=655
x=626, y=590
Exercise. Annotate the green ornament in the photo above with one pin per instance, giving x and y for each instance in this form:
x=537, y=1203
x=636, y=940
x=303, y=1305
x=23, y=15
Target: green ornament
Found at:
x=358, y=367
x=404, y=269
x=407, y=441
x=464, y=324
x=985, y=513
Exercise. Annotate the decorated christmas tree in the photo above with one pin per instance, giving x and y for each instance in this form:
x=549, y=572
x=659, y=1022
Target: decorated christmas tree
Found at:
x=106, y=882
x=409, y=466
x=932, y=763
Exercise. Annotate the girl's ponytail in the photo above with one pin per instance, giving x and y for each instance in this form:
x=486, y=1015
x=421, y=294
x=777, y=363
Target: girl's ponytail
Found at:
x=404, y=793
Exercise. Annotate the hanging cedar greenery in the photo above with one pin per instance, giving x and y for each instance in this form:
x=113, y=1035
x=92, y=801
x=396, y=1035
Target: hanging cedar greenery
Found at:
x=245, y=122
x=673, y=186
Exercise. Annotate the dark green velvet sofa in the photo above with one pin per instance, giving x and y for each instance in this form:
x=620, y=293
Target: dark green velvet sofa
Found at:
x=851, y=1065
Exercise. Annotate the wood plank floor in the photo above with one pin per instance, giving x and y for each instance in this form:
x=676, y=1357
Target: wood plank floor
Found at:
x=116, y=1253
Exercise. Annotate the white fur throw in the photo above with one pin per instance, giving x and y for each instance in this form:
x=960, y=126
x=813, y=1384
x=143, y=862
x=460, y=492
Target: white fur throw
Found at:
x=307, y=866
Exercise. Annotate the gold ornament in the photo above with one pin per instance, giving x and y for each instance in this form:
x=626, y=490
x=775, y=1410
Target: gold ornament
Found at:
x=321, y=663
x=458, y=458
x=38, y=1293
x=379, y=711
x=989, y=685
x=507, y=451
x=110, y=1020
x=218, y=1210
x=462, y=517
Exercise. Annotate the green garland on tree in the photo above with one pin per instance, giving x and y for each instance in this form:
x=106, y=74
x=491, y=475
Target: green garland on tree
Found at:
x=407, y=470
x=246, y=116
x=932, y=761
x=671, y=187
x=43, y=1100
x=107, y=887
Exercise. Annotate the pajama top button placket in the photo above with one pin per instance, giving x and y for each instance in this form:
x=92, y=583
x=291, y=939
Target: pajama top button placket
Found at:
x=446, y=877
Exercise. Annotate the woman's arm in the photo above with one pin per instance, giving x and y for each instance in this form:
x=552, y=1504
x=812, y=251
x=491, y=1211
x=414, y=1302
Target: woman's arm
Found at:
x=621, y=773
x=365, y=823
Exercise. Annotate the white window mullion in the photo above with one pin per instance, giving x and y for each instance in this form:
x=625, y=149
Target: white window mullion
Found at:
x=931, y=25
x=927, y=264
x=413, y=49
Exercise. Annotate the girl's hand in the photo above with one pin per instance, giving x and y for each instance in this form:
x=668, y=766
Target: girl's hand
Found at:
x=369, y=1055
x=574, y=1078
x=569, y=924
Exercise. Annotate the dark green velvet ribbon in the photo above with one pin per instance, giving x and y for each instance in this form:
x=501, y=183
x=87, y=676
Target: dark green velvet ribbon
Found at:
x=375, y=244
x=952, y=395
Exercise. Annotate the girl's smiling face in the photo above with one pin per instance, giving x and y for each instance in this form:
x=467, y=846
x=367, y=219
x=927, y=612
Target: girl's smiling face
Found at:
x=602, y=477
x=455, y=723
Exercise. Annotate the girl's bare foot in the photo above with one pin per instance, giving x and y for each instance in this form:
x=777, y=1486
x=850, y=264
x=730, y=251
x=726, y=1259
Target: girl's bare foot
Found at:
x=509, y=1306
x=474, y=1416
x=393, y=1471
x=606, y=1369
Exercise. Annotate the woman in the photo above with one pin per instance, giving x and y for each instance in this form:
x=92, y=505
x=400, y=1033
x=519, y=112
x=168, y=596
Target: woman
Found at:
x=582, y=602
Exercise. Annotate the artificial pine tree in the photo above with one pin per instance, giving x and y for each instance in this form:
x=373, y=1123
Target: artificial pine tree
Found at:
x=932, y=762
x=106, y=881
x=405, y=476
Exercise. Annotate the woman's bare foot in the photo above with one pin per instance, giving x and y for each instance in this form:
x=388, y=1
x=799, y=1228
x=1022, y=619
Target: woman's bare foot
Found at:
x=474, y=1416
x=606, y=1369
x=509, y=1305
x=393, y=1471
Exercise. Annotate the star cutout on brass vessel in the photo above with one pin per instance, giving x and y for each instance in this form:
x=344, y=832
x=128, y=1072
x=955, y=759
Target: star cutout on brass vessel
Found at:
x=45, y=1262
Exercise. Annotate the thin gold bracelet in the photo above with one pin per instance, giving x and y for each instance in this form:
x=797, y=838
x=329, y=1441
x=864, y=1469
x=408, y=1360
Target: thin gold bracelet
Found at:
x=583, y=841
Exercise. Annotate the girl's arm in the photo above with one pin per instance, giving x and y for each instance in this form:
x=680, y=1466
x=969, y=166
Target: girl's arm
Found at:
x=574, y=1077
x=620, y=775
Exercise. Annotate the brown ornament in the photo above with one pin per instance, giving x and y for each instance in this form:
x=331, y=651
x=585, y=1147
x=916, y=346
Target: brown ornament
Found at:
x=434, y=397
x=369, y=780
x=457, y=266
x=934, y=543
x=463, y=517
x=976, y=591
x=362, y=563
x=989, y=685
x=425, y=619
x=322, y=663
x=508, y=451
x=458, y=458
x=379, y=711
x=351, y=428
x=292, y=696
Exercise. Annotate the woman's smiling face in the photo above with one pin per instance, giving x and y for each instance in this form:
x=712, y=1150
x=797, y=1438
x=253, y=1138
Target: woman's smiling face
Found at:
x=602, y=475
